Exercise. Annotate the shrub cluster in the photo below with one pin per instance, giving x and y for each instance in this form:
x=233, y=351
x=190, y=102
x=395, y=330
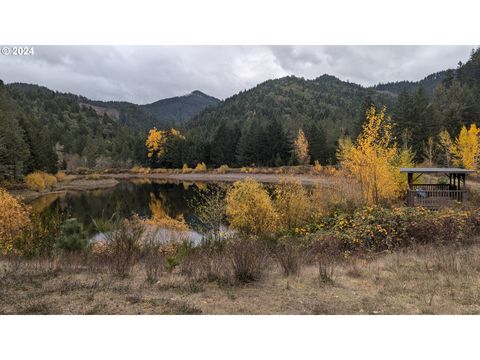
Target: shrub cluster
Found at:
x=39, y=181
x=375, y=228
x=200, y=168
x=223, y=169
x=250, y=209
x=14, y=221
x=186, y=169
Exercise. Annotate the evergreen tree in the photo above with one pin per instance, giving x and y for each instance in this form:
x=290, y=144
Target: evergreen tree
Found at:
x=317, y=143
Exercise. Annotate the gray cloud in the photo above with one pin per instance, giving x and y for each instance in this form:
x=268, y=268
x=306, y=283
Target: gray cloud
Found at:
x=144, y=74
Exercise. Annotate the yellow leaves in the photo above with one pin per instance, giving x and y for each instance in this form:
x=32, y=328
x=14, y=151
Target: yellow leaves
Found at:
x=300, y=148
x=249, y=208
x=162, y=219
x=157, y=141
x=292, y=203
x=223, y=169
x=317, y=167
x=374, y=159
x=186, y=169
x=40, y=180
x=200, y=168
x=14, y=220
x=466, y=148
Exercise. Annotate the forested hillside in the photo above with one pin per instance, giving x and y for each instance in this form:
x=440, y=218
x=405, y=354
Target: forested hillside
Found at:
x=45, y=130
x=174, y=111
x=428, y=84
x=258, y=126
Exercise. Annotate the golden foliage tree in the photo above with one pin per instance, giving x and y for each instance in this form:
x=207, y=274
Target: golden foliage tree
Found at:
x=249, y=208
x=445, y=146
x=429, y=151
x=300, y=148
x=292, y=203
x=465, y=150
x=374, y=158
x=14, y=221
x=158, y=140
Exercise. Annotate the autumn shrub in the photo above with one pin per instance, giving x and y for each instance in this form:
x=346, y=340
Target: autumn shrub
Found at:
x=250, y=209
x=61, y=176
x=317, y=167
x=200, y=168
x=342, y=194
x=14, y=221
x=93, y=176
x=292, y=203
x=186, y=169
x=223, y=169
x=140, y=170
x=25, y=233
x=38, y=181
x=375, y=228
x=330, y=170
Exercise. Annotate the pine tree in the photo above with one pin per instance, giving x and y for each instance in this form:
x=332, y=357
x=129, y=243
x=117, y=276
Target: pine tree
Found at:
x=317, y=143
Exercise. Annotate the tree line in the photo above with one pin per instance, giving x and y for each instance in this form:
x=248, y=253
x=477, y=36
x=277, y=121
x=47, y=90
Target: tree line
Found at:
x=44, y=130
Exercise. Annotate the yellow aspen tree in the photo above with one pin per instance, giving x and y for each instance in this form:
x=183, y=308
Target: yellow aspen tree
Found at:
x=465, y=149
x=429, y=151
x=157, y=141
x=445, y=145
x=300, y=148
x=374, y=158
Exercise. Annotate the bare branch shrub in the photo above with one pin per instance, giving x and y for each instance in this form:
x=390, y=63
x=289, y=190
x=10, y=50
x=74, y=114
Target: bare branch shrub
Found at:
x=247, y=258
x=123, y=244
x=291, y=254
x=152, y=255
x=327, y=253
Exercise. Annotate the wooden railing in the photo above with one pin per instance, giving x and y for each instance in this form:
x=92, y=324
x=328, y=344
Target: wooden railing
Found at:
x=431, y=187
x=434, y=199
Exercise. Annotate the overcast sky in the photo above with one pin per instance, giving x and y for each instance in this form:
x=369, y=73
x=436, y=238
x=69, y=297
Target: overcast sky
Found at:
x=142, y=74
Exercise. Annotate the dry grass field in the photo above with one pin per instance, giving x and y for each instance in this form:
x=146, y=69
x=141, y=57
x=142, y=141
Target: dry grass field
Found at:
x=420, y=280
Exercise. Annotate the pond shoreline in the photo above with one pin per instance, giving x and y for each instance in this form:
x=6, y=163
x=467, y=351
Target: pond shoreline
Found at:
x=105, y=181
x=305, y=179
x=81, y=183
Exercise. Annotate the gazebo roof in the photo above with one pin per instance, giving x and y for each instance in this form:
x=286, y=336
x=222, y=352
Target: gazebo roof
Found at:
x=436, y=171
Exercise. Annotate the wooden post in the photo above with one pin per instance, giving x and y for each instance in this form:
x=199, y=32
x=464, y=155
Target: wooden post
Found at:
x=410, y=181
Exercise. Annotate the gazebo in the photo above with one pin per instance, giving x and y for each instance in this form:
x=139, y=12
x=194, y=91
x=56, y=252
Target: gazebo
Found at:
x=434, y=196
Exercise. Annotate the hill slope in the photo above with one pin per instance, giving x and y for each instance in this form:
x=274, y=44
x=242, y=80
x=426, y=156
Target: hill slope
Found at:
x=180, y=108
x=324, y=108
x=429, y=83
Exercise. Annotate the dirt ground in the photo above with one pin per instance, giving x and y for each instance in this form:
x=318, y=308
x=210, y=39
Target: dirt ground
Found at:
x=420, y=281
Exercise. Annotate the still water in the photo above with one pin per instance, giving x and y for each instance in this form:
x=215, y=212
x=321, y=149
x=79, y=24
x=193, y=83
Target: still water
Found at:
x=141, y=196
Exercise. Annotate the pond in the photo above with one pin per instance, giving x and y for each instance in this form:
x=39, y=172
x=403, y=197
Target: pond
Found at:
x=143, y=197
